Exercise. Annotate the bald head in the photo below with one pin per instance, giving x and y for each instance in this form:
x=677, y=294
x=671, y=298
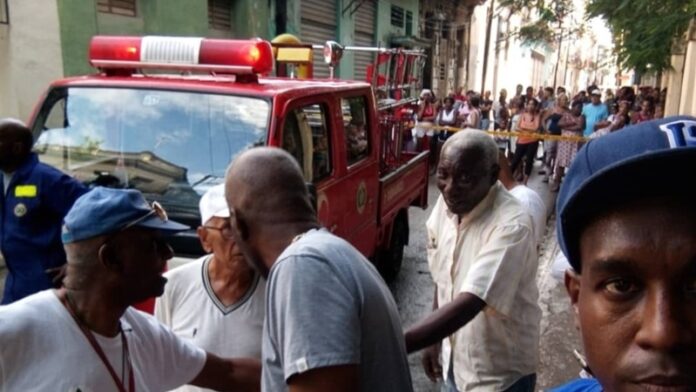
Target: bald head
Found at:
x=467, y=170
x=475, y=142
x=15, y=144
x=16, y=130
x=269, y=204
x=266, y=186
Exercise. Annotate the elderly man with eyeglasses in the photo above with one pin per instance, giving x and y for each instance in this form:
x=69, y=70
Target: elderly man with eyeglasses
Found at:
x=217, y=301
x=86, y=336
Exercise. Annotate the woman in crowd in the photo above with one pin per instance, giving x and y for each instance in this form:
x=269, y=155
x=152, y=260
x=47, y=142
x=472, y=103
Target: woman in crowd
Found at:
x=446, y=117
x=473, y=120
x=526, y=146
x=646, y=113
x=552, y=119
x=617, y=119
x=572, y=124
x=502, y=120
x=497, y=107
x=426, y=117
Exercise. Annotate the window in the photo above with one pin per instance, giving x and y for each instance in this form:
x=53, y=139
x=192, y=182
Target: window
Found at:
x=397, y=16
x=306, y=137
x=4, y=12
x=170, y=145
x=409, y=23
x=117, y=7
x=220, y=14
x=355, y=128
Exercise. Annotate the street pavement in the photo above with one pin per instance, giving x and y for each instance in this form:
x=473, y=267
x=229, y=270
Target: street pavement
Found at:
x=413, y=290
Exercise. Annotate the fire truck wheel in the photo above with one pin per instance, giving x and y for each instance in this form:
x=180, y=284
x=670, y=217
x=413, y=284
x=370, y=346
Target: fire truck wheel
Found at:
x=389, y=260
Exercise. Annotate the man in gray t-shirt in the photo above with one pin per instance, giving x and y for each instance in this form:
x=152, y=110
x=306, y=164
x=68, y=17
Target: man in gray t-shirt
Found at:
x=331, y=322
x=328, y=306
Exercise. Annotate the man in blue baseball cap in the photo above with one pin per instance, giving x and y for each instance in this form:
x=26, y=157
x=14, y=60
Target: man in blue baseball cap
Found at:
x=85, y=336
x=626, y=220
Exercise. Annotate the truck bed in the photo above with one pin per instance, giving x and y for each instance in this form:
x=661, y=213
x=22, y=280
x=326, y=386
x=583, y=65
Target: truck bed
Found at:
x=405, y=186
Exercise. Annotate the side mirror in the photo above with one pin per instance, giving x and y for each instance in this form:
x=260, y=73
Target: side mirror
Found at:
x=333, y=51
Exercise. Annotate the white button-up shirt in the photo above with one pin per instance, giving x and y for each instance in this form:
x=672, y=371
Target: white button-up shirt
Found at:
x=490, y=253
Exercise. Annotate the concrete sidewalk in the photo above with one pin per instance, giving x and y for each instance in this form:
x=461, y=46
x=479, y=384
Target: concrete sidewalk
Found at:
x=558, y=335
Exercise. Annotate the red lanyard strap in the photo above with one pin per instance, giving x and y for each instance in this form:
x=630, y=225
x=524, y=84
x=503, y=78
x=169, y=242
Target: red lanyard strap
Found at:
x=63, y=295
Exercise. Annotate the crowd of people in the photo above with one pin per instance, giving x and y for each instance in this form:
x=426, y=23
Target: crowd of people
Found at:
x=590, y=113
x=282, y=304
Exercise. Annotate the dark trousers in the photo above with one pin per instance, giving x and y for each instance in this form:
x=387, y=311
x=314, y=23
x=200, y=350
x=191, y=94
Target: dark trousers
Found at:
x=528, y=152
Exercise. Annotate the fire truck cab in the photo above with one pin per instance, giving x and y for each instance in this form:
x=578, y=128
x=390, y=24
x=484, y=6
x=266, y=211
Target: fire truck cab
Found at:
x=167, y=115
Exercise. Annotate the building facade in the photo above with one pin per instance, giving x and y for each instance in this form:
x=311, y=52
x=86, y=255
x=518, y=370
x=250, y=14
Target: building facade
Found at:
x=43, y=40
x=681, y=80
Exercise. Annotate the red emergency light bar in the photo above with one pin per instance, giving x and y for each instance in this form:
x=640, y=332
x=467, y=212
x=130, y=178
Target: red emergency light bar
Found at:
x=181, y=53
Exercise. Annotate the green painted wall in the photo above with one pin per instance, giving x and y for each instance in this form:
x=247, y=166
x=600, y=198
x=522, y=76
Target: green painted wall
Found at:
x=292, y=23
x=385, y=30
x=345, y=36
x=77, y=25
x=175, y=17
x=253, y=18
x=79, y=21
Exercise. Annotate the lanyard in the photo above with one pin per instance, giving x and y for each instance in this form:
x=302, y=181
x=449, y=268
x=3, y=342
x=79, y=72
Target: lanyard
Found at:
x=97, y=348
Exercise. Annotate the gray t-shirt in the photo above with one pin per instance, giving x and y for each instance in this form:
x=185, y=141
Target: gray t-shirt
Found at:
x=326, y=305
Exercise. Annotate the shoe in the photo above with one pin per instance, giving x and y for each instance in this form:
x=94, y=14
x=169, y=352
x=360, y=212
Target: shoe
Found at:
x=542, y=171
x=546, y=179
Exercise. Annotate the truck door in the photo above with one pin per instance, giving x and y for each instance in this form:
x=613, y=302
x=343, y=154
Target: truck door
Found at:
x=307, y=135
x=359, y=156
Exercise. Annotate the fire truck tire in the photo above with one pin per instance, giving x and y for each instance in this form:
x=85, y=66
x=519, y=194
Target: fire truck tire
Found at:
x=390, y=259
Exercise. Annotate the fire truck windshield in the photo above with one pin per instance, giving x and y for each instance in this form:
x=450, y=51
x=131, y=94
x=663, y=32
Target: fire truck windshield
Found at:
x=171, y=145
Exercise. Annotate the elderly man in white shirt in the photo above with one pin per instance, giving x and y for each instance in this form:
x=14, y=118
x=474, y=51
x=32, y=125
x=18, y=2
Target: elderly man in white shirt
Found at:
x=216, y=302
x=482, y=256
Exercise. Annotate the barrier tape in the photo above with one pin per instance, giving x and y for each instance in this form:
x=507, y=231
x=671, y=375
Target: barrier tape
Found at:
x=505, y=134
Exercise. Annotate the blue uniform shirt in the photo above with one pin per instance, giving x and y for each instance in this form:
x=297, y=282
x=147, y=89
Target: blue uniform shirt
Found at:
x=37, y=199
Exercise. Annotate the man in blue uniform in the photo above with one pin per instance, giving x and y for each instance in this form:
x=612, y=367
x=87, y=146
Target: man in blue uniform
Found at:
x=34, y=200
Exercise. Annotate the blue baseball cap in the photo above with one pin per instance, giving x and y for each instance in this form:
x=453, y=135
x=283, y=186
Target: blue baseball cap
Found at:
x=105, y=210
x=653, y=158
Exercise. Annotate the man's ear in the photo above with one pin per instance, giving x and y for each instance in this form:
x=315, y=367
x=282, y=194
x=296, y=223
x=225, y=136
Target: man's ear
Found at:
x=573, y=284
x=109, y=259
x=203, y=237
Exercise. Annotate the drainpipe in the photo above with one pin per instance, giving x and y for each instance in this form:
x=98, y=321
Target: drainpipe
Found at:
x=489, y=25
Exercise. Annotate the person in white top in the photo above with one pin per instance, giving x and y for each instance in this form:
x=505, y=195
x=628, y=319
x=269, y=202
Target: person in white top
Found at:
x=482, y=257
x=530, y=200
x=86, y=336
x=217, y=301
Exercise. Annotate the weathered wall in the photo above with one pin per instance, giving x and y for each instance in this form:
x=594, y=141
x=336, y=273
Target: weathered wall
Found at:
x=29, y=55
x=385, y=30
x=681, y=80
x=687, y=104
x=80, y=21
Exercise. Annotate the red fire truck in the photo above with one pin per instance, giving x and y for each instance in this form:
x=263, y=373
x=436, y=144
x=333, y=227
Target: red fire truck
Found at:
x=166, y=116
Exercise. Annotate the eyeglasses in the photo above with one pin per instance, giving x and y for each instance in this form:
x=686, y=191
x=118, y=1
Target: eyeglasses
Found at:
x=157, y=210
x=225, y=231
